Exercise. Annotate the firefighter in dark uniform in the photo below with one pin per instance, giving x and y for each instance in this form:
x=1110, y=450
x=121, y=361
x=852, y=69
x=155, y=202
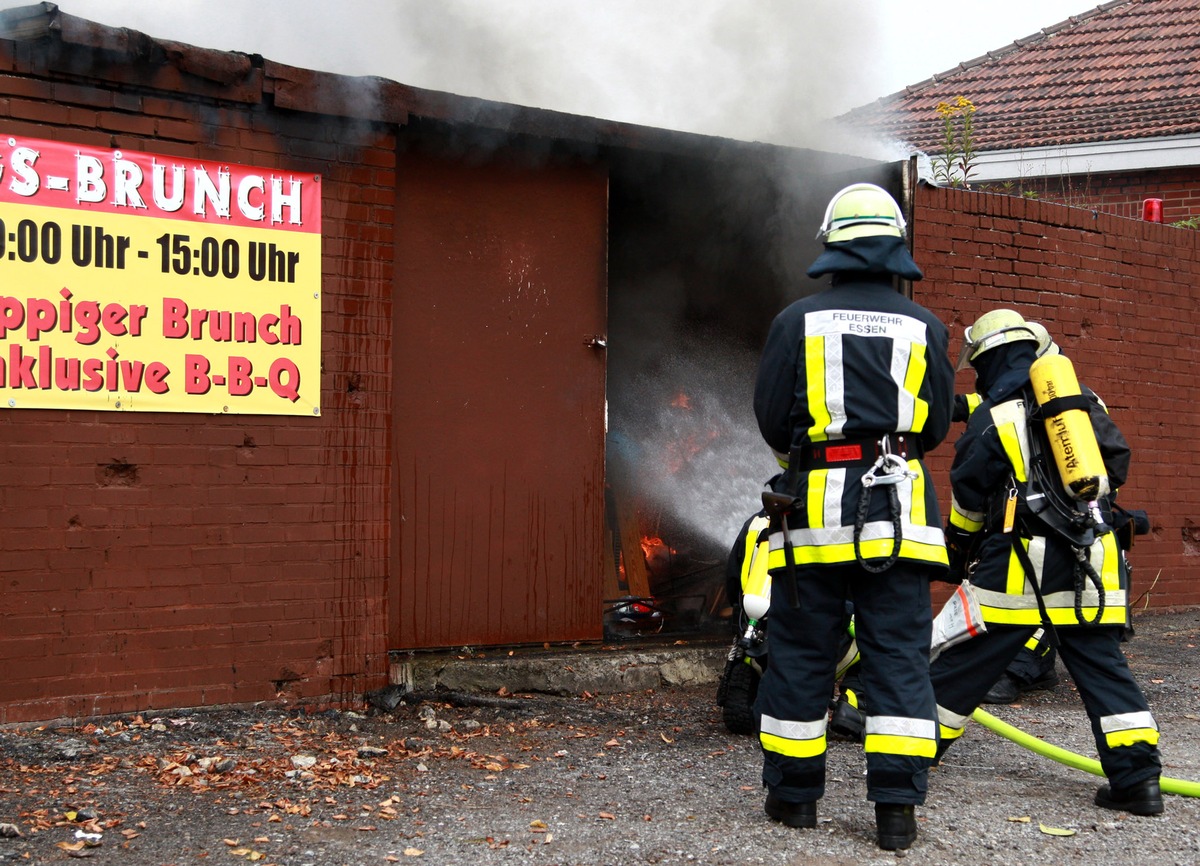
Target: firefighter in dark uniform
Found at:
x=1033, y=667
x=1026, y=573
x=854, y=385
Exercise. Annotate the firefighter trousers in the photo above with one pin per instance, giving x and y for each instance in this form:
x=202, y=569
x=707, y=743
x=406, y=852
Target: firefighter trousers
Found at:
x=892, y=625
x=1122, y=725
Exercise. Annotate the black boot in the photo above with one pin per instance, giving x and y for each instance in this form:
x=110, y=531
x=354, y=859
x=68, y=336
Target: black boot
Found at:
x=895, y=825
x=848, y=720
x=1144, y=798
x=1005, y=690
x=802, y=815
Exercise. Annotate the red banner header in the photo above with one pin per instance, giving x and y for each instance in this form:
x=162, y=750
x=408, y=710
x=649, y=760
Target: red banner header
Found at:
x=55, y=174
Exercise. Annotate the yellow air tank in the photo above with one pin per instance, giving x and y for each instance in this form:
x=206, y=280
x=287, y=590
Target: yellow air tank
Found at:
x=756, y=580
x=1072, y=438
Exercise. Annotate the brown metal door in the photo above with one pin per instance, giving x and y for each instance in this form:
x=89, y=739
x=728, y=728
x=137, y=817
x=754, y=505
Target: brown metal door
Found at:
x=498, y=411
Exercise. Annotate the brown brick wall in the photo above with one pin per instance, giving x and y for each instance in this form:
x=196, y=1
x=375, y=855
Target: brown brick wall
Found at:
x=1122, y=194
x=1119, y=295
x=156, y=560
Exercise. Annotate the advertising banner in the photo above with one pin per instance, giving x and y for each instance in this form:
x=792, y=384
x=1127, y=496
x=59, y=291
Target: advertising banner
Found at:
x=141, y=282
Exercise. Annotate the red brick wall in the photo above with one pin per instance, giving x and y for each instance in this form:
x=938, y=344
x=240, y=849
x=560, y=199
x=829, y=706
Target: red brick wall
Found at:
x=1119, y=296
x=1122, y=194
x=158, y=560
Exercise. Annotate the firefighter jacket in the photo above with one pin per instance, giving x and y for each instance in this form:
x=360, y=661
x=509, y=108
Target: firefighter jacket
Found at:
x=991, y=466
x=851, y=364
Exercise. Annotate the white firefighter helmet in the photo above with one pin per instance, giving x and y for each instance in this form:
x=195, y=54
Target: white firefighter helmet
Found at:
x=994, y=328
x=861, y=210
x=1046, y=344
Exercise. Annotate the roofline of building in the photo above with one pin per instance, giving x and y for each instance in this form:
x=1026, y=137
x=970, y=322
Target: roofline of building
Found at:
x=1102, y=157
x=988, y=57
x=250, y=78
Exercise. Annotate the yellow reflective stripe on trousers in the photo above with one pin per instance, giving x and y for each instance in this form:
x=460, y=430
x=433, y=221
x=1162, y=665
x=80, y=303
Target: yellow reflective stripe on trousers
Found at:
x=950, y=724
x=949, y=733
x=1125, y=729
x=897, y=735
x=792, y=739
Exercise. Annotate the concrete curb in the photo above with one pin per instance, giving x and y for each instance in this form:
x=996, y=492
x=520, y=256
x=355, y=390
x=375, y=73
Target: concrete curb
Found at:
x=597, y=670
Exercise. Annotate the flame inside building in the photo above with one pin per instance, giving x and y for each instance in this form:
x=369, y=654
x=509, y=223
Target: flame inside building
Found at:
x=703, y=254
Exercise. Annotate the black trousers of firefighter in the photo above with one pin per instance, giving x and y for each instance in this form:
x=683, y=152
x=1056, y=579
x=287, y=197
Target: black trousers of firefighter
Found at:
x=963, y=674
x=892, y=626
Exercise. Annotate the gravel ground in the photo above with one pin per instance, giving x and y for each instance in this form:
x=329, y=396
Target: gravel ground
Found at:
x=651, y=777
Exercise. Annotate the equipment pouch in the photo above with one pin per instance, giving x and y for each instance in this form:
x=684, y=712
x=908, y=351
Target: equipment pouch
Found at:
x=959, y=619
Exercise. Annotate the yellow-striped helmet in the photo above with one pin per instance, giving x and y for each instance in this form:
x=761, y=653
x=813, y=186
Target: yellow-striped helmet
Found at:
x=861, y=210
x=994, y=328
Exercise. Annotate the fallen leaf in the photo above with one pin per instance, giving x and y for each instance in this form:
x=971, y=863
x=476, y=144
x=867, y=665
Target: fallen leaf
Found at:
x=413, y=852
x=1055, y=831
x=608, y=816
x=666, y=739
x=537, y=826
x=1024, y=819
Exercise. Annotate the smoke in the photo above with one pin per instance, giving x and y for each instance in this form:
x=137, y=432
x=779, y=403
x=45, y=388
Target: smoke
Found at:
x=685, y=426
x=771, y=70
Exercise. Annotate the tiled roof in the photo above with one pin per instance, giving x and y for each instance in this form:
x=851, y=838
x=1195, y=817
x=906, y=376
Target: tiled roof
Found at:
x=1127, y=69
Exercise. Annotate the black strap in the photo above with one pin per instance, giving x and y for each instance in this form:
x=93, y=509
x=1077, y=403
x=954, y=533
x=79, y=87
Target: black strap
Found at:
x=1084, y=569
x=1031, y=574
x=860, y=520
x=1058, y=405
x=779, y=507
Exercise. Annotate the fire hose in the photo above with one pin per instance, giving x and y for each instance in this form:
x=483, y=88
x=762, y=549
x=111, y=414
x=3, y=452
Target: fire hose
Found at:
x=1069, y=758
x=1075, y=760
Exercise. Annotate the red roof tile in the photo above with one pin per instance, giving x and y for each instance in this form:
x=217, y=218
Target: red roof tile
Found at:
x=1126, y=69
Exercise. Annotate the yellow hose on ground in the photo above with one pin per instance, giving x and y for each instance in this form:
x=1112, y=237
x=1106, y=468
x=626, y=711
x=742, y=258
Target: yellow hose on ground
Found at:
x=1071, y=759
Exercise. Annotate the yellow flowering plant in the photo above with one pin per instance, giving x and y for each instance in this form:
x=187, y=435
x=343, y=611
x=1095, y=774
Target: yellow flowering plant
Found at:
x=954, y=164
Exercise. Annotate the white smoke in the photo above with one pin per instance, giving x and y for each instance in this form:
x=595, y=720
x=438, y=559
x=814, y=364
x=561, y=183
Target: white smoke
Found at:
x=770, y=70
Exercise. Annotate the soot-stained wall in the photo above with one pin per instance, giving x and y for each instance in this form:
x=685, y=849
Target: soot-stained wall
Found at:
x=155, y=560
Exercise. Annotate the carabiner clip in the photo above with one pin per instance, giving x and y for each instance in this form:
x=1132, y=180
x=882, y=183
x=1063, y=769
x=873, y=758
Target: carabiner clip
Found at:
x=888, y=469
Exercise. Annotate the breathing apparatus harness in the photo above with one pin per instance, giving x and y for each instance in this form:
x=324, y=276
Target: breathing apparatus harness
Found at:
x=1040, y=504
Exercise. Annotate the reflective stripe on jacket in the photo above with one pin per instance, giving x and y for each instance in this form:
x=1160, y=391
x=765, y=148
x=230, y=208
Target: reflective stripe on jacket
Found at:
x=995, y=445
x=857, y=361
